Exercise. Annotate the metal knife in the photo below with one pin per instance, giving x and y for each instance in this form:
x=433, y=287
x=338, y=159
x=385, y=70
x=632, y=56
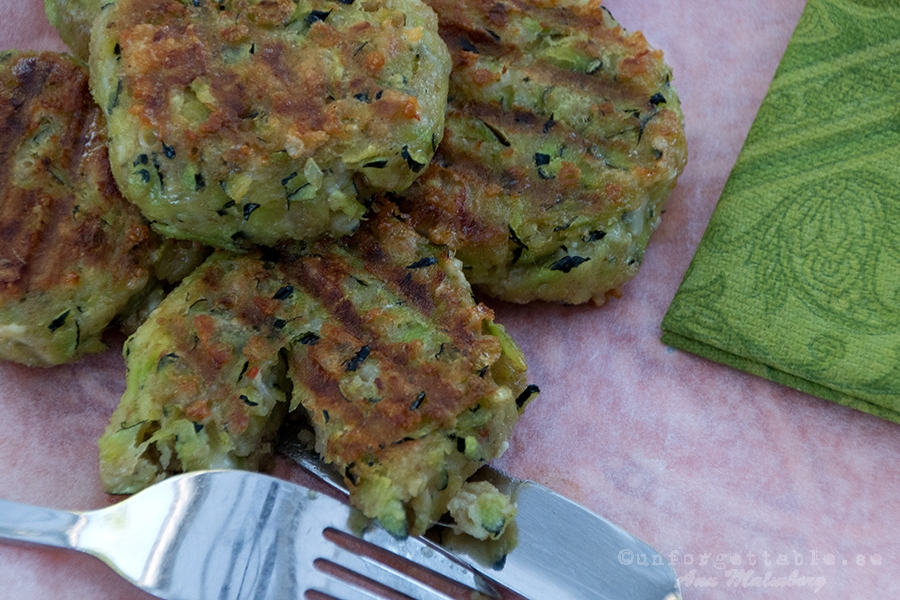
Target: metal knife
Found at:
x=564, y=551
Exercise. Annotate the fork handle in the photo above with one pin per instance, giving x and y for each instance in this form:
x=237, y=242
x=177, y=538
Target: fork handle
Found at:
x=45, y=526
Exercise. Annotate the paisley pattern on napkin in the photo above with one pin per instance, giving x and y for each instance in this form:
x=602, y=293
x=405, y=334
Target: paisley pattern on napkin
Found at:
x=797, y=277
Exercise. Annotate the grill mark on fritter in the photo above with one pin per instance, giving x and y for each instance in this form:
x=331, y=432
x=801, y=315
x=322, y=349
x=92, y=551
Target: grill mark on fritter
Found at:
x=542, y=194
x=466, y=171
x=453, y=205
x=414, y=288
x=40, y=222
x=546, y=75
x=58, y=235
x=21, y=217
x=470, y=40
x=372, y=426
x=494, y=14
x=30, y=78
x=540, y=73
x=323, y=277
x=22, y=220
x=234, y=303
x=320, y=277
x=547, y=79
x=525, y=131
x=358, y=335
x=419, y=289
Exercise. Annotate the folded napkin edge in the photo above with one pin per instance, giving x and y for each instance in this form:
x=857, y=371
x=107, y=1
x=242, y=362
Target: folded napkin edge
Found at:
x=766, y=371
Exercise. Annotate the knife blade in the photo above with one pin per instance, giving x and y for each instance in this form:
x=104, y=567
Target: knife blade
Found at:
x=564, y=551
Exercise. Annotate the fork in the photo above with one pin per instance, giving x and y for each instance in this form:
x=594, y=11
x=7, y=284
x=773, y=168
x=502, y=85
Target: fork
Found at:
x=229, y=535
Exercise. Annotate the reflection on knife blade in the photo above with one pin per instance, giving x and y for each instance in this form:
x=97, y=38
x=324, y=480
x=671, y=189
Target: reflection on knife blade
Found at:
x=564, y=551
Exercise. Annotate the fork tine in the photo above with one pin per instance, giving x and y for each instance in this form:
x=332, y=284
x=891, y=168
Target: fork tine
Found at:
x=375, y=571
x=330, y=587
x=428, y=555
x=418, y=550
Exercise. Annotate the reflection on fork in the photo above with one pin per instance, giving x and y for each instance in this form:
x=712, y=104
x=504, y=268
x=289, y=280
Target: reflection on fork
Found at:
x=229, y=535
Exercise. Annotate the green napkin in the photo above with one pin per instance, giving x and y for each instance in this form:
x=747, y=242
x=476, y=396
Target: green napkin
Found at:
x=797, y=278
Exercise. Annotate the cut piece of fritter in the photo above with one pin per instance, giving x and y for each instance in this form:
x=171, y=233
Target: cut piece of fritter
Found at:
x=239, y=122
x=205, y=383
x=73, y=20
x=563, y=139
x=74, y=252
x=408, y=383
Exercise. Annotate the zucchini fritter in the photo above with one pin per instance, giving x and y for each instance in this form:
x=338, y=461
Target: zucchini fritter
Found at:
x=239, y=122
x=410, y=386
x=73, y=20
x=563, y=139
x=407, y=382
x=74, y=252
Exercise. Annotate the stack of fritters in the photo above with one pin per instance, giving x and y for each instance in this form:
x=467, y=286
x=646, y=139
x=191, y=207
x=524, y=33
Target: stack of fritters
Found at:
x=282, y=133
